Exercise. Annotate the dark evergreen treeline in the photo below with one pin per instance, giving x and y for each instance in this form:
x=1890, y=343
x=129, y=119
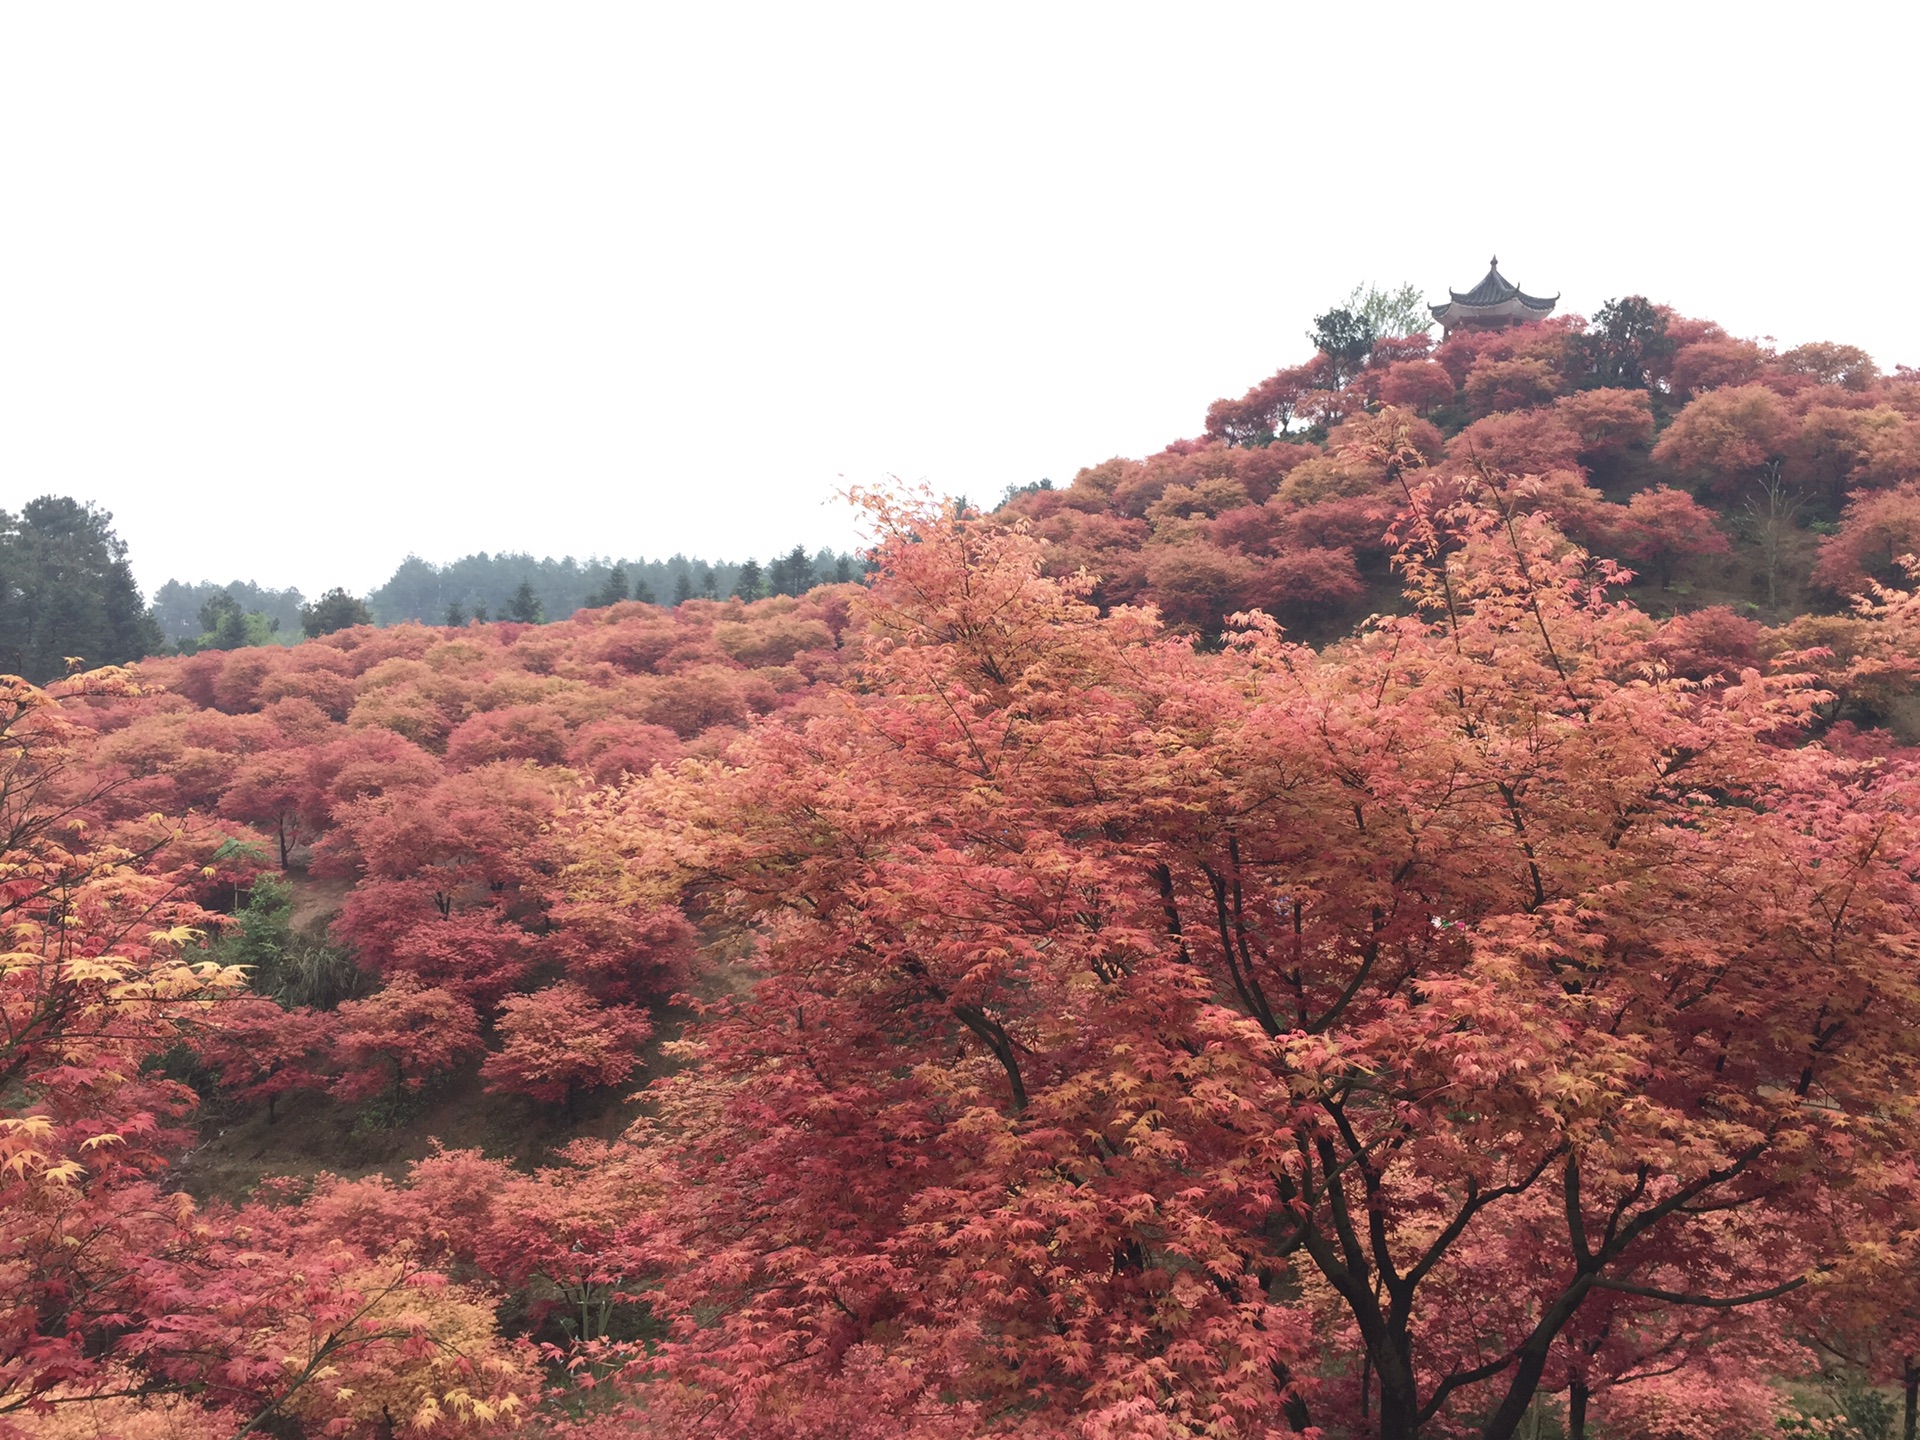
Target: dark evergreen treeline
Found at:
x=512, y=586
x=508, y=586
x=67, y=593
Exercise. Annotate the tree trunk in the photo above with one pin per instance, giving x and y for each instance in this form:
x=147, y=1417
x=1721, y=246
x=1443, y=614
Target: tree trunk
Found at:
x=1294, y=1407
x=1910, y=1372
x=1399, y=1398
x=1505, y=1421
x=1577, y=1412
x=1398, y=1420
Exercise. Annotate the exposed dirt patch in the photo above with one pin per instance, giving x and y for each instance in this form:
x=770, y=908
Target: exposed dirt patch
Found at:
x=316, y=901
x=315, y=1134
x=240, y=1146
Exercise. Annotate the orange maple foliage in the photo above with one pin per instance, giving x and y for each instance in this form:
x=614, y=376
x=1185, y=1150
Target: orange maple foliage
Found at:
x=1108, y=993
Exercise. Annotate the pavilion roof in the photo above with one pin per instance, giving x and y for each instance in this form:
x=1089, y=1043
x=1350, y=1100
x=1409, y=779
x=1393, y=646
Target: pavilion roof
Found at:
x=1496, y=289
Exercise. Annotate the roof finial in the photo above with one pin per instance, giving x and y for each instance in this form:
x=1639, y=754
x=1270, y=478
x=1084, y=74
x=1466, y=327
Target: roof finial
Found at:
x=1494, y=263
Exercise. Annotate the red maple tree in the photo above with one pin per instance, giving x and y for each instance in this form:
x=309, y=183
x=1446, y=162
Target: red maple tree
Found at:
x=1103, y=985
x=559, y=1041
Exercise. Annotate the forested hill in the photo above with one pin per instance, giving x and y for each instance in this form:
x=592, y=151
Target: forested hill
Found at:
x=1725, y=474
x=972, y=1004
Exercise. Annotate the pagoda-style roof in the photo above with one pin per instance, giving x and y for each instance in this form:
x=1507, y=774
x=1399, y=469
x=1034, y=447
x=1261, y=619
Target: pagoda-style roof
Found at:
x=1496, y=300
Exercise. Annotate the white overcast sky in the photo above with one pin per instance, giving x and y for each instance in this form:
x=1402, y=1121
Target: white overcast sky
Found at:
x=293, y=290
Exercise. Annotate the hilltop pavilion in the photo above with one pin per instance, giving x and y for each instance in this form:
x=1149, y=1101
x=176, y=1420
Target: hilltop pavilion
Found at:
x=1493, y=304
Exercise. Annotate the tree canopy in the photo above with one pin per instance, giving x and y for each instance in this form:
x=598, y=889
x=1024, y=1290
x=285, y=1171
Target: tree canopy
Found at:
x=66, y=591
x=335, y=610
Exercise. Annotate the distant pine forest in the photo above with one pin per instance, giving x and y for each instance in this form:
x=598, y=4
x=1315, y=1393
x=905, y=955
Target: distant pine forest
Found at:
x=498, y=588
x=67, y=592
x=486, y=586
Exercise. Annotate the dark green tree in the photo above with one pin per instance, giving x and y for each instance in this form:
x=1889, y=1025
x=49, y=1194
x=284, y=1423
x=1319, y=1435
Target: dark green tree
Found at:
x=843, y=570
x=414, y=592
x=682, y=587
x=220, y=609
x=230, y=633
x=66, y=591
x=456, y=613
x=705, y=582
x=1345, y=337
x=747, y=585
x=1626, y=342
x=792, y=573
x=335, y=610
x=226, y=624
x=613, y=591
x=643, y=592
x=525, y=606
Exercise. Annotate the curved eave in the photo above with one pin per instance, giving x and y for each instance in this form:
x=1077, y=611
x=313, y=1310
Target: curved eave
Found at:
x=1514, y=306
x=1482, y=295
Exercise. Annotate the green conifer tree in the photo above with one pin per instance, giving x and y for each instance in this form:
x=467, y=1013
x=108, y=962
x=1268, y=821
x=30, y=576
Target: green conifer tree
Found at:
x=748, y=585
x=66, y=590
x=525, y=606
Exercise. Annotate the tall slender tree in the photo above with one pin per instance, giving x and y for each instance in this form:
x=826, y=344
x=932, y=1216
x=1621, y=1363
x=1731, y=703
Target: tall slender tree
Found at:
x=66, y=591
x=613, y=590
x=748, y=584
x=525, y=605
